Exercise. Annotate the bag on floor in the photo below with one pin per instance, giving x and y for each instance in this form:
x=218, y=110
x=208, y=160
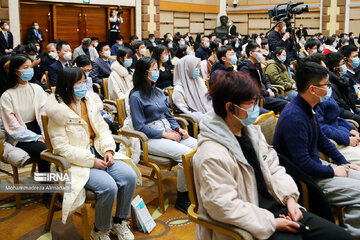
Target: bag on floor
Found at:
x=144, y=220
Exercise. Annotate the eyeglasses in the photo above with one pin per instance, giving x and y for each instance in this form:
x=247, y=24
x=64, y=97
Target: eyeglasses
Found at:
x=252, y=106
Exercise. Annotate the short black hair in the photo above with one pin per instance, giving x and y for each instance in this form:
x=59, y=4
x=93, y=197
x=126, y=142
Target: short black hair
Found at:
x=122, y=52
x=151, y=35
x=310, y=43
x=222, y=52
x=82, y=61
x=101, y=45
x=133, y=37
x=138, y=44
x=67, y=77
x=33, y=23
x=158, y=50
x=252, y=45
x=332, y=60
x=2, y=23
x=94, y=38
x=119, y=37
x=60, y=45
x=347, y=50
x=330, y=40
x=308, y=73
x=214, y=45
x=181, y=51
x=264, y=42
x=316, y=58
x=30, y=48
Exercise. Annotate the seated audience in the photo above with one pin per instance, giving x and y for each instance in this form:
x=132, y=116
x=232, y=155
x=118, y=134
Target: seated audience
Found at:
x=102, y=65
x=339, y=181
x=90, y=149
x=151, y=43
x=265, y=48
x=22, y=105
x=161, y=55
x=330, y=45
x=48, y=58
x=238, y=179
x=214, y=46
x=86, y=49
x=203, y=52
x=31, y=52
x=352, y=61
x=310, y=47
x=226, y=61
x=190, y=91
x=276, y=72
x=119, y=42
x=140, y=51
x=251, y=66
x=133, y=40
x=84, y=63
x=121, y=77
x=181, y=51
x=150, y=115
x=94, y=43
x=235, y=44
x=64, y=53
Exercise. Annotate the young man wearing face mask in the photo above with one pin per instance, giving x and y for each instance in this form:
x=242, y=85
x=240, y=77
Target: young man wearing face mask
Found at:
x=86, y=49
x=6, y=39
x=34, y=34
x=48, y=58
x=64, y=53
x=311, y=47
x=151, y=43
x=119, y=42
x=252, y=66
x=226, y=61
x=140, y=51
x=31, y=52
x=102, y=65
x=352, y=61
x=299, y=137
x=278, y=36
x=203, y=52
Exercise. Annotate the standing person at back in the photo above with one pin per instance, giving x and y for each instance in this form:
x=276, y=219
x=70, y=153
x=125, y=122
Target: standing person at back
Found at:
x=64, y=52
x=6, y=39
x=102, y=65
x=34, y=34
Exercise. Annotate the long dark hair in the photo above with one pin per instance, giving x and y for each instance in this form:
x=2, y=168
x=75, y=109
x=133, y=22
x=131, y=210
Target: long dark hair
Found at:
x=141, y=72
x=158, y=50
x=67, y=77
x=15, y=63
x=278, y=51
x=82, y=61
x=181, y=51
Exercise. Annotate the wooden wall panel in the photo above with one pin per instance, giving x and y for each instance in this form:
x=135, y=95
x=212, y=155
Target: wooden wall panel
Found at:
x=69, y=25
x=94, y=27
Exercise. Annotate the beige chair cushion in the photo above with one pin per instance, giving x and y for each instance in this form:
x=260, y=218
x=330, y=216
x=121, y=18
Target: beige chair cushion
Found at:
x=268, y=129
x=161, y=161
x=90, y=195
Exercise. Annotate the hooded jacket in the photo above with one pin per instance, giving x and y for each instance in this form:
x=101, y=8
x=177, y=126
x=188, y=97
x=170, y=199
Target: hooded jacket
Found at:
x=217, y=66
x=255, y=71
x=225, y=182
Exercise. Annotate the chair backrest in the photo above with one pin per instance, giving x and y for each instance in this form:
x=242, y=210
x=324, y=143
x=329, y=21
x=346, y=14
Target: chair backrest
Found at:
x=170, y=92
x=121, y=110
x=113, y=57
x=294, y=65
x=47, y=79
x=45, y=120
x=267, y=123
x=189, y=175
x=105, y=85
x=207, y=83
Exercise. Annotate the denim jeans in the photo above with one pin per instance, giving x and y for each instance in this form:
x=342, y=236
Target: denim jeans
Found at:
x=117, y=180
x=167, y=148
x=292, y=95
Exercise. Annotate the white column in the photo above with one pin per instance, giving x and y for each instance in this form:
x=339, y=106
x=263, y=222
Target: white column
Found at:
x=222, y=5
x=321, y=14
x=347, y=16
x=14, y=20
x=138, y=20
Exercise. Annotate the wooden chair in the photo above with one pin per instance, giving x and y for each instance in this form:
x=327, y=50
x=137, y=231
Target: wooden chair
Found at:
x=63, y=165
x=156, y=163
x=47, y=79
x=207, y=82
x=267, y=122
x=203, y=219
x=188, y=117
x=294, y=65
x=113, y=57
x=278, y=89
x=15, y=173
x=105, y=86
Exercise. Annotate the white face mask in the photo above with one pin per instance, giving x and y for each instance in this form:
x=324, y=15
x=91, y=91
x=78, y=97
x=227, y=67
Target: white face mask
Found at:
x=67, y=56
x=7, y=27
x=142, y=51
x=37, y=27
x=53, y=55
x=38, y=48
x=107, y=54
x=283, y=30
x=96, y=44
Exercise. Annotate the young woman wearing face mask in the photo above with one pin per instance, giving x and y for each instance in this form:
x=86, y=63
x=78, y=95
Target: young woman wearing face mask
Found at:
x=330, y=45
x=79, y=133
x=276, y=72
x=84, y=63
x=161, y=55
x=150, y=115
x=121, y=76
x=22, y=105
x=182, y=51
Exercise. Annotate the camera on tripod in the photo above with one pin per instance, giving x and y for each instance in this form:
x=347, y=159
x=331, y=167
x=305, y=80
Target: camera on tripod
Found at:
x=285, y=11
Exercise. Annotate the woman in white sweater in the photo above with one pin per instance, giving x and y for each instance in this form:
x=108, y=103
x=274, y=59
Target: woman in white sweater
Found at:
x=21, y=109
x=120, y=79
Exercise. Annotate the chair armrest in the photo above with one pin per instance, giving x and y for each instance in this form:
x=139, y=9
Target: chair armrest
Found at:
x=183, y=123
x=121, y=139
x=188, y=117
x=238, y=231
x=133, y=133
x=2, y=134
x=279, y=88
x=354, y=123
x=97, y=88
x=59, y=161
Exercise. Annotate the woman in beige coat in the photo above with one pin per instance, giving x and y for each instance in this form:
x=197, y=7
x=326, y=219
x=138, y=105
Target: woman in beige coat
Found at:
x=238, y=178
x=79, y=133
x=121, y=76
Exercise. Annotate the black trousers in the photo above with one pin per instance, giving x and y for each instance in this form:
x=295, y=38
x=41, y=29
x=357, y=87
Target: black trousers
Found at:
x=319, y=229
x=275, y=104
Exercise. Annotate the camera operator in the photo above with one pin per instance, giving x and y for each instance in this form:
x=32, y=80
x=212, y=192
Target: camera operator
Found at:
x=115, y=21
x=278, y=36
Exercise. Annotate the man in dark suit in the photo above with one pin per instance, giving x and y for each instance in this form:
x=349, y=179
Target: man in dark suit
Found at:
x=102, y=65
x=48, y=58
x=130, y=44
x=301, y=31
x=64, y=52
x=203, y=52
x=6, y=39
x=35, y=35
x=151, y=43
x=232, y=28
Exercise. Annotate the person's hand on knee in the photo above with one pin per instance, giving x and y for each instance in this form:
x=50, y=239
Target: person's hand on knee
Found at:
x=293, y=210
x=109, y=158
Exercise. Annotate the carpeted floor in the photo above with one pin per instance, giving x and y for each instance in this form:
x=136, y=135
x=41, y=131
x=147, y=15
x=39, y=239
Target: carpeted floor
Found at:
x=28, y=222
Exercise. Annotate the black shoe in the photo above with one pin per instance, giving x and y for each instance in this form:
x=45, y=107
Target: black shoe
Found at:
x=47, y=201
x=182, y=202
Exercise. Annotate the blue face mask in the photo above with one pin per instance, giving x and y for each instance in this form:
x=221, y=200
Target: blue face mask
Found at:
x=154, y=76
x=196, y=73
x=165, y=58
x=170, y=45
x=128, y=62
x=355, y=62
x=356, y=89
x=259, y=57
x=237, y=45
x=207, y=45
x=80, y=91
x=321, y=48
x=283, y=58
x=152, y=40
x=335, y=44
x=191, y=53
x=27, y=74
x=344, y=70
x=327, y=95
x=253, y=114
x=232, y=60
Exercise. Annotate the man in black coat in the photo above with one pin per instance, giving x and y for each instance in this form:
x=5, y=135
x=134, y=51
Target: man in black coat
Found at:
x=34, y=34
x=301, y=31
x=203, y=52
x=151, y=43
x=6, y=39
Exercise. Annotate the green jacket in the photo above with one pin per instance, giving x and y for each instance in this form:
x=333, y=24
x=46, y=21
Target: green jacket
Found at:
x=279, y=77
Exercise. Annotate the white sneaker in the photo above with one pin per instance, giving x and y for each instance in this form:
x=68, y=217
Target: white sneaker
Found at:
x=122, y=231
x=100, y=235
